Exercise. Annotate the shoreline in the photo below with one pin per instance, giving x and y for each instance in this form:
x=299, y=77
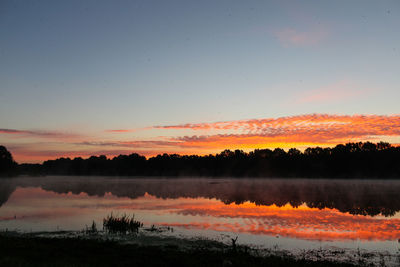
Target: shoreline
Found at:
x=80, y=248
x=168, y=177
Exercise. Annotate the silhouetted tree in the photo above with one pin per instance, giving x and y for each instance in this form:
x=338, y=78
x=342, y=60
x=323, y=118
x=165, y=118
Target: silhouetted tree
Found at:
x=293, y=152
x=7, y=164
x=351, y=160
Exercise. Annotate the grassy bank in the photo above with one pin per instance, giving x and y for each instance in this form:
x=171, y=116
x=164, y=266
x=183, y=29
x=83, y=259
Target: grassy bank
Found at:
x=30, y=250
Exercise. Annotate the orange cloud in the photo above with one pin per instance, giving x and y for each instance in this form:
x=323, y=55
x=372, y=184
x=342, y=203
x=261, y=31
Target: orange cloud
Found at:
x=304, y=129
x=294, y=131
x=315, y=121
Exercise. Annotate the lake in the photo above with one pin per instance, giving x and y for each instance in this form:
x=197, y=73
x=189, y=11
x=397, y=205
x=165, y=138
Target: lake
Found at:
x=269, y=213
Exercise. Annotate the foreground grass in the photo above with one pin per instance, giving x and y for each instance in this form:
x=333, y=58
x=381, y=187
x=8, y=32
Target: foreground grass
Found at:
x=23, y=250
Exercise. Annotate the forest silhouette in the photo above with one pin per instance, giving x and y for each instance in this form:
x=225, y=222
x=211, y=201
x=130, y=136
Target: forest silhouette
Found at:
x=351, y=160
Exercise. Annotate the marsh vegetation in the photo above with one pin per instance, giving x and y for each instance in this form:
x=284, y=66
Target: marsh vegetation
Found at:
x=30, y=250
x=121, y=224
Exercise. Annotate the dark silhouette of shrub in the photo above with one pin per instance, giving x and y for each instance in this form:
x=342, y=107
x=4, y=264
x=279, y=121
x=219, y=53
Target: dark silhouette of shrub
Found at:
x=8, y=166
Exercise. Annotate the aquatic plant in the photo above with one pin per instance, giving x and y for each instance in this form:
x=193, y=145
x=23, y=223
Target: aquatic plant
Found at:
x=121, y=225
x=92, y=229
x=159, y=229
x=234, y=244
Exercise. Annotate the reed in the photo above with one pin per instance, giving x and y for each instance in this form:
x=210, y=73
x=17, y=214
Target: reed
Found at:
x=92, y=229
x=121, y=224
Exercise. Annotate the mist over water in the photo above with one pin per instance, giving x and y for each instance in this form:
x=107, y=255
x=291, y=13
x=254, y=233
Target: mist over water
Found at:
x=290, y=213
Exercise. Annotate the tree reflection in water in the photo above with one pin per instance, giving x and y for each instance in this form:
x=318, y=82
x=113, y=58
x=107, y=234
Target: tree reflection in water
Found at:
x=362, y=197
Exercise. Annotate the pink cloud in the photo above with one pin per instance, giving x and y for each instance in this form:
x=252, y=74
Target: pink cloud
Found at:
x=39, y=133
x=127, y=130
x=24, y=154
x=119, y=131
x=133, y=144
x=291, y=37
x=340, y=91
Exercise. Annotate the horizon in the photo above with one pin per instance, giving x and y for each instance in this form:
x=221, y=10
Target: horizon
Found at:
x=183, y=77
x=247, y=152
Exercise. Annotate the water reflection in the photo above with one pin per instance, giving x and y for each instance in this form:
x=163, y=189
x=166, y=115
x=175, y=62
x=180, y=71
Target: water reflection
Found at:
x=289, y=214
x=358, y=197
x=31, y=204
x=339, y=211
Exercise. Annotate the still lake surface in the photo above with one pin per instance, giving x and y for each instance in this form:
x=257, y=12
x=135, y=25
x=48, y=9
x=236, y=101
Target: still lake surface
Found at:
x=270, y=213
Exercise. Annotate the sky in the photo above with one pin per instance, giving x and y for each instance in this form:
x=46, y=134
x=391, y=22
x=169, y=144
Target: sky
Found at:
x=81, y=78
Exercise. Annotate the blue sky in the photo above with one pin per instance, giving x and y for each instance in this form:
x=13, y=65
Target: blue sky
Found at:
x=89, y=66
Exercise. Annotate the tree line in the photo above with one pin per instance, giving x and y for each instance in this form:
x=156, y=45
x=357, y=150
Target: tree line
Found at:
x=8, y=167
x=351, y=160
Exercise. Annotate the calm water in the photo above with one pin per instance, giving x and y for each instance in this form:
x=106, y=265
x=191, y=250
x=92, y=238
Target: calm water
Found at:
x=286, y=214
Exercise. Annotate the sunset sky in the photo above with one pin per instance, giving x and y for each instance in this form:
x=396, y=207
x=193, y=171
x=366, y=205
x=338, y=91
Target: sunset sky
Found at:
x=81, y=78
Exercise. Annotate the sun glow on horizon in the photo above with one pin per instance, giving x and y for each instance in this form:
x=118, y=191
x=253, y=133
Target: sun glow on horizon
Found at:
x=302, y=131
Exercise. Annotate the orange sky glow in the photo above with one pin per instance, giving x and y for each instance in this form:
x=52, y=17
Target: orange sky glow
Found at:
x=300, y=131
